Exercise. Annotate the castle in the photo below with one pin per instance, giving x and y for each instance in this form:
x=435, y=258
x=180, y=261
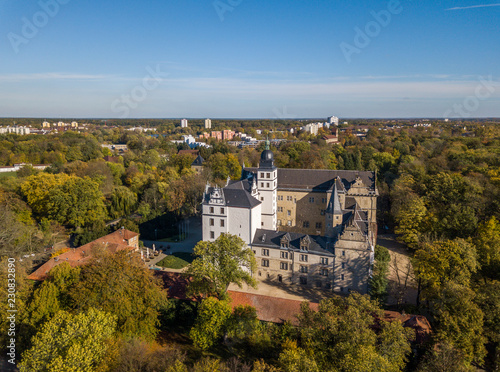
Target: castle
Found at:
x=311, y=227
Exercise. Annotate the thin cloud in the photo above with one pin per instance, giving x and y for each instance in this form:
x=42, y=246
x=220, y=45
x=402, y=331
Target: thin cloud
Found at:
x=52, y=76
x=473, y=6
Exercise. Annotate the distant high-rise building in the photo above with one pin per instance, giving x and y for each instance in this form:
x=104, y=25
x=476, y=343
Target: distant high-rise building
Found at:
x=184, y=123
x=208, y=124
x=333, y=120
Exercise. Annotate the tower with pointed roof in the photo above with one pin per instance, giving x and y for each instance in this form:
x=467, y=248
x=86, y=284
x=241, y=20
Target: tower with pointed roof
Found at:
x=267, y=186
x=334, y=214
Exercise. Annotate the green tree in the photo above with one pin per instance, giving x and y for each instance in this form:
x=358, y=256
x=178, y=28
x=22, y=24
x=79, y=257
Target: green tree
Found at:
x=444, y=358
x=76, y=202
x=120, y=284
x=379, y=281
x=445, y=261
x=210, y=322
x=341, y=336
x=222, y=262
x=459, y=321
x=36, y=190
x=296, y=359
x=70, y=343
x=123, y=201
x=487, y=242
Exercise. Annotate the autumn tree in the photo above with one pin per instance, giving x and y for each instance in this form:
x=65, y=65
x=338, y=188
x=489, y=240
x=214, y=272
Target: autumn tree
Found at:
x=222, y=262
x=443, y=261
x=459, y=321
x=487, y=242
x=210, y=322
x=341, y=336
x=379, y=281
x=70, y=343
x=123, y=201
x=120, y=284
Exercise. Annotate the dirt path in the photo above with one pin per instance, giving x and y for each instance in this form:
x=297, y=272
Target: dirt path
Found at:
x=402, y=283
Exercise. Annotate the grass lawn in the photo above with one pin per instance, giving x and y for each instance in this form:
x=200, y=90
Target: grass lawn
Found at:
x=8, y=175
x=176, y=261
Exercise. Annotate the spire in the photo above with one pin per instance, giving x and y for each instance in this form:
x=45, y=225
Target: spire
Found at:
x=336, y=202
x=268, y=147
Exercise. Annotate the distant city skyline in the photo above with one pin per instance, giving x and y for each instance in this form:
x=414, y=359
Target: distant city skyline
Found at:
x=250, y=59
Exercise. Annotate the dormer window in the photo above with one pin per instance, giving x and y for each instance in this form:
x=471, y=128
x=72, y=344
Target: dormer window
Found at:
x=305, y=243
x=285, y=241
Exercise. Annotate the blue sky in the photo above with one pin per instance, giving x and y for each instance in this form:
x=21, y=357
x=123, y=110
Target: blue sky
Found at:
x=249, y=58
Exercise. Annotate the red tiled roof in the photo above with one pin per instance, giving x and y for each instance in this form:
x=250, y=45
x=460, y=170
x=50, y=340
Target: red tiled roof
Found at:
x=79, y=256
x=270, y=309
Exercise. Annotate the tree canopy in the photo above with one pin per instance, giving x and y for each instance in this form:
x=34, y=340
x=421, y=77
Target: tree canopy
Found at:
x=222, y=262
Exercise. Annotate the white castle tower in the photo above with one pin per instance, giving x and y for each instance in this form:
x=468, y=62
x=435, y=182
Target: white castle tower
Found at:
x=267, y=185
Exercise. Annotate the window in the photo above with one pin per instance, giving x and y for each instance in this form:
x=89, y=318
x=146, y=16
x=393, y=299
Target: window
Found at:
x=262, y=199
x=211, y=209
x=305, y=224
x=212, y=223
x=262, y=175
x=283, y=265
x=284, y=255
x=323, y=200
x=267, y=184
x=324, y=261
x=343, y=265
x=319, y=225
x=265, y=252
x=318, y=283
x=342, y=277
x=303, y=269
x=288, y=212
x=279, y=222
x=221, y=223
x=303, y=280
x=280, y=209
x=212, y=235
x=289, y=223
x=343, y=253
x=303, y=257
x=295, y=200
x=324, y=272
x=262, y=184
x=222, y=211
x=289, y=198
x=323, y=212
x=265, y=263
x=311, y=200
x=268, y=175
